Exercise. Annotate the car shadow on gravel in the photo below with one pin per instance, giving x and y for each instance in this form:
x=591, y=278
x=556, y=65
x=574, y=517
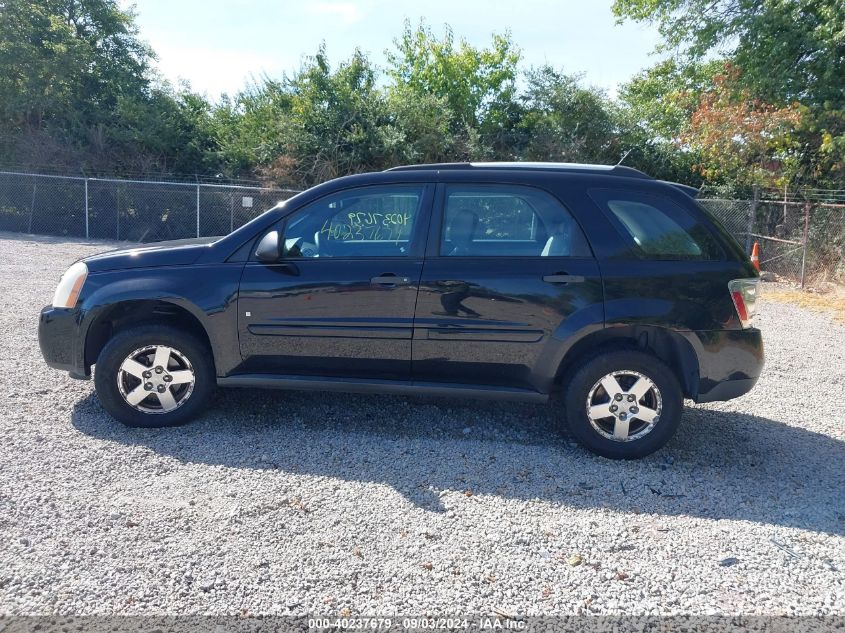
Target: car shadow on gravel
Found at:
x=720, y=465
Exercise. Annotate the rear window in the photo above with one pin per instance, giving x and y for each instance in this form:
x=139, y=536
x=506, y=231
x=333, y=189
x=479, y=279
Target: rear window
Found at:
x=657, y=227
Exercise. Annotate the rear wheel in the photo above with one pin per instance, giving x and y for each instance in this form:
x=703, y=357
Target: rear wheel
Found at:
x=624, y=404
x=154, y=376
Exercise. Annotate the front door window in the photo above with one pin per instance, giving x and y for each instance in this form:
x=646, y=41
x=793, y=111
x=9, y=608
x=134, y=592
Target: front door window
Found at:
x=365, y=222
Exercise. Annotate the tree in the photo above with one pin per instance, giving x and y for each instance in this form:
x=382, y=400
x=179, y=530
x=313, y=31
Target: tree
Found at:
x=474, y=83
x=249, y=128
x=67, y=62
x=419, y=128
x=788, y=51
x=336, y=121
x=661, y=100
x=655, y=108
x=741, y=140
x=77, y=90
x=564, y=121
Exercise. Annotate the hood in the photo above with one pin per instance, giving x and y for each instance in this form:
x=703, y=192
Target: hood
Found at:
x=170, y=253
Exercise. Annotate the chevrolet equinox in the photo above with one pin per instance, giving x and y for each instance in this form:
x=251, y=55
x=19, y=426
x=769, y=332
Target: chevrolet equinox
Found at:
x=519, y=281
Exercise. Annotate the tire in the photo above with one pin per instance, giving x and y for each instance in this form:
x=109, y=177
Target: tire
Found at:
x=117, y=380
x=658, y=410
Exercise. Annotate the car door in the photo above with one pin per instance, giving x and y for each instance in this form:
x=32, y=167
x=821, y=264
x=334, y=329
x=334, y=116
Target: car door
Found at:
x=340, y=302
x=505, y=266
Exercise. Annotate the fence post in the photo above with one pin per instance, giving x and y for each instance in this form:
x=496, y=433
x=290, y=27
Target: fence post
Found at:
x=752, y=216
x=806, y=235
x=198, y=209
x=32, y=205
x=86, y=208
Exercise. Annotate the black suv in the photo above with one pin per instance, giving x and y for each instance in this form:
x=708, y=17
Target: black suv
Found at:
x=509, y=281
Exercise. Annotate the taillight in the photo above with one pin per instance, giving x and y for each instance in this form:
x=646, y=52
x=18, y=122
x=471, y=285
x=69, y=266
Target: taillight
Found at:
x=744, y=294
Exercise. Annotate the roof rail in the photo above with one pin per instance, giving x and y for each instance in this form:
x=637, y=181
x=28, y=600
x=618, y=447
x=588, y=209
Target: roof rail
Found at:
x=614, y=170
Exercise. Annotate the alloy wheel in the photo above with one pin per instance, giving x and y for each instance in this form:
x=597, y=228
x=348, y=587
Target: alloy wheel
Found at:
x=156, y=379
x=624, y=405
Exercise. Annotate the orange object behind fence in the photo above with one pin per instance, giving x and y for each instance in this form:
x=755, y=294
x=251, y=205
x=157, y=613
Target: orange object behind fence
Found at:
x=755, y=256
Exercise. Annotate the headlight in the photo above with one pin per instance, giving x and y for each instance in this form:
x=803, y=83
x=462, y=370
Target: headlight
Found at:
x=69, y=287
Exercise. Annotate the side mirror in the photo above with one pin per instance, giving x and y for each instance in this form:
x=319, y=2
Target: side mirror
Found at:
x=268, y=249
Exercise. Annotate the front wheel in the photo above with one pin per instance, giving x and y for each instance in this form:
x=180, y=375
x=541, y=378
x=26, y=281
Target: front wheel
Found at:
x=623, y=405
x=154, y=376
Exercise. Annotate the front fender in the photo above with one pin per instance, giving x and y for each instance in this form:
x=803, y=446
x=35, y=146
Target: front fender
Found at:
x=208, y=293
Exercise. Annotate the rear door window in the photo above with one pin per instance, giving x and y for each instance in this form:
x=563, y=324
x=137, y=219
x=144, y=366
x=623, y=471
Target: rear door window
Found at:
x=657, y=227
x=508, y=221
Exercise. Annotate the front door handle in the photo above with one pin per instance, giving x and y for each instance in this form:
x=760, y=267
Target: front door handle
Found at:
x=390, y=279
x=563, y=278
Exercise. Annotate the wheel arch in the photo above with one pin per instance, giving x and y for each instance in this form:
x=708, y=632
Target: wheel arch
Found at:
x=668, y=345
x=117, y=316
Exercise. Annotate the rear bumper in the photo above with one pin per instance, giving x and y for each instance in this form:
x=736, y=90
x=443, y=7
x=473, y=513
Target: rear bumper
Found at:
x=59, y=340
x=728, y=390
x=730, y=362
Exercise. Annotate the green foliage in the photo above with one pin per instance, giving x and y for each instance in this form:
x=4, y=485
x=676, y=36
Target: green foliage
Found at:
x=336, y=118
x=661, y=100
x=564, y=121
x=335, y=121
x=77, y=91
x=655, y=108
x=419, y=128
x=742, y=140
x=76, y=88
x=475, y=84
x=67, y=62
x=248, y=129
x=788, y=51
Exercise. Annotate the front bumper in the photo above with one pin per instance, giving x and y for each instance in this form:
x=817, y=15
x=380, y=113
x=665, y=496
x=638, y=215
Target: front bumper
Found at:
x=60, y=341
x=730, y=362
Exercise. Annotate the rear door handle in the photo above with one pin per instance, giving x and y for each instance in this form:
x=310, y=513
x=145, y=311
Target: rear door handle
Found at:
x=390, y=279
x=563, y=278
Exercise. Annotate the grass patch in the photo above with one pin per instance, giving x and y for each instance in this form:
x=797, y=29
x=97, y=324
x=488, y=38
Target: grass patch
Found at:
x=831, y=302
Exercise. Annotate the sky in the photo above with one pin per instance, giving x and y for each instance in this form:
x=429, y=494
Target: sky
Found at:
x=218, y=46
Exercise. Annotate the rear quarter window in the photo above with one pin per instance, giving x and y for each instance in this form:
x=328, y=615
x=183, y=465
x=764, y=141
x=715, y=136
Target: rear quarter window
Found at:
x=656, y=227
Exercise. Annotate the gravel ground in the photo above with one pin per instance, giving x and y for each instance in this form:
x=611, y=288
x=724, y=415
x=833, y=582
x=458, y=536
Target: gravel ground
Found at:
x=277, y=503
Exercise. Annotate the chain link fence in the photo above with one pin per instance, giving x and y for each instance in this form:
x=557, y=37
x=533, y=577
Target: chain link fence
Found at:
x=132, y=210
x=799, y=241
